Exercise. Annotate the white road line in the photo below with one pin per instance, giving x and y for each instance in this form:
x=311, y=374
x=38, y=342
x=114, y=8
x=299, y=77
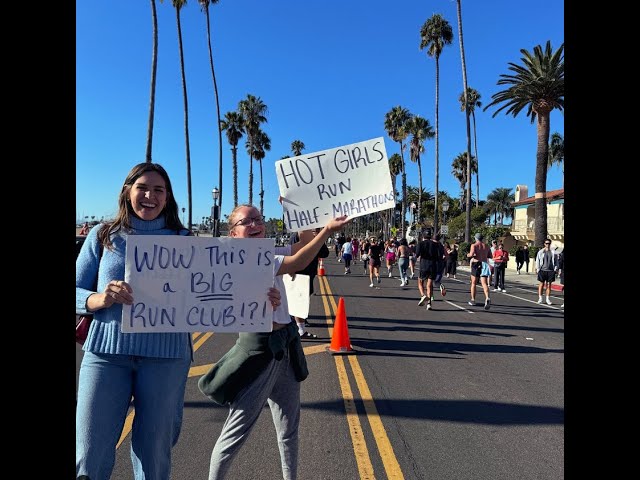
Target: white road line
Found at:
x=458, y=306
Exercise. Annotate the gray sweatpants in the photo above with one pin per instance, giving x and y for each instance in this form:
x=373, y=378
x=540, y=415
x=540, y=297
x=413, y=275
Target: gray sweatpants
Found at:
x=278, y=386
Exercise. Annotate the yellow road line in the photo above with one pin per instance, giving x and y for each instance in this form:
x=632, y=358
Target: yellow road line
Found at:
x=389, y=460
x=365, y=468
x=391, y=465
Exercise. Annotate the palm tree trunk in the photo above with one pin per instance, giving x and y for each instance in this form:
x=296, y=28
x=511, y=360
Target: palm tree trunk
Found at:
x=215, y=89
x=475, y=144
x=250, y=170
x=542, y=155
x=404, y=193
x=261, y=190
x=420, y=187
x=154, y=68
x=435, y=199
x=186, y=120
x=467, y=230
x=234, y=156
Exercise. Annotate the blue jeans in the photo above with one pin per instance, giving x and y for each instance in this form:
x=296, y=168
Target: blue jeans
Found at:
x=106, y=385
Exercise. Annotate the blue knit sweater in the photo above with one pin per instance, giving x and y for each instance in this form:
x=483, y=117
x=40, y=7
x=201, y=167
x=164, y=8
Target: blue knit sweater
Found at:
x=104, y=334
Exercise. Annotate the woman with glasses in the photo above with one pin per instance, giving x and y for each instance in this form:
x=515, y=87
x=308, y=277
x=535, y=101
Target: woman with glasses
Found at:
x=263, y=367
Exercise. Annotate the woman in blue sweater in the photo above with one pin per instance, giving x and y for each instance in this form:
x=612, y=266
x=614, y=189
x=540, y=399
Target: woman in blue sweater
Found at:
x=151, y=368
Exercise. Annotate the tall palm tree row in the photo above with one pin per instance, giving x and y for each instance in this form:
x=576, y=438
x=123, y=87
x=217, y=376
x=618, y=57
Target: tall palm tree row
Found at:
x=233, y=124
x=254, y=112
x=420, y=130
x=538, y=85
x=467, y=230
x=473, y=97
x=556, y=152
x=154, y=69
x=395, y=122
x=434, y=35
x=204, y=4
x=178, y=4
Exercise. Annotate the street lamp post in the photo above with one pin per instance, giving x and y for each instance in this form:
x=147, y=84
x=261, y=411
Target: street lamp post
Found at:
x=445, y=208
x=183, y=209
x=215, y=212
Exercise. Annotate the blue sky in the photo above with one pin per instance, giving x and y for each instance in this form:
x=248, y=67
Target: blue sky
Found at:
x=328, y=72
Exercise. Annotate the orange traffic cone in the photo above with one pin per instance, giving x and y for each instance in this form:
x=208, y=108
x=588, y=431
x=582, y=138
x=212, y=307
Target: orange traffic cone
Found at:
x=320, y=268
x=340, y=342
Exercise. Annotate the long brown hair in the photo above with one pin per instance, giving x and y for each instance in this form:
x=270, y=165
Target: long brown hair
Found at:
x=125, y=210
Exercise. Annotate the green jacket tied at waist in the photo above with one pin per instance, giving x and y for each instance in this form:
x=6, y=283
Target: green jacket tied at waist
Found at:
x=248, y=358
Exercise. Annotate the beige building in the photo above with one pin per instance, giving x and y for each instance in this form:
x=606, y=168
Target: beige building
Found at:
x=524, y=217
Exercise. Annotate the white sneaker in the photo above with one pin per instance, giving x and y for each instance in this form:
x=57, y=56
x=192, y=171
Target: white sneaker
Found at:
x=402, y=283
x=496, y=289
x=562, y=306
x=548, y=302
x=371, y=285
x=472, y=303
x=504, y=291
x=422, y=299
x=429, y=306
x=540, y=300
x=389, y=274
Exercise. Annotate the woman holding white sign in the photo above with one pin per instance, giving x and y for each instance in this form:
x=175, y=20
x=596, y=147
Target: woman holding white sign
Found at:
x=263, y=367
x=150, y=368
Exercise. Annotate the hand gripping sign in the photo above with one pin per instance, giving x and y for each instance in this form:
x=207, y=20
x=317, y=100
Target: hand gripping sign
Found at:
x=352, y=180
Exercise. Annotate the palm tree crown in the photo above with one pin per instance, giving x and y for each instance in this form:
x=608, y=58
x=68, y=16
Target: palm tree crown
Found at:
x=297, y=147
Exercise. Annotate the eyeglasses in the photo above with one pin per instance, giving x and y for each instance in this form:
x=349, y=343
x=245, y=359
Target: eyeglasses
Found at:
x=246, y=221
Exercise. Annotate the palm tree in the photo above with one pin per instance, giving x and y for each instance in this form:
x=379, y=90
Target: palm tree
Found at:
x=467, y=230
x=297, y=147
x=204, y=4
x=254, y=112
x=502, y=198
x=154, y=68
x=395, y=168
x=556, y=152
x=420, y=129
x=260, y=145
x=178, y=4
x=538, y=84
x=233, y=123
x=434, y=35
x=395, y=124
x=473, y=97
x=459, y=171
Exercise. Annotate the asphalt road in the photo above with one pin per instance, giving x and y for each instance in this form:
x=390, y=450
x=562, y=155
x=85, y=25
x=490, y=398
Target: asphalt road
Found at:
x=452, y=393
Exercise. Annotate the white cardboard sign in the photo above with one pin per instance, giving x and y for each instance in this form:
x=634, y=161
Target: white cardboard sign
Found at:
x=297, y=289
x=351, y=180
x=198, y=284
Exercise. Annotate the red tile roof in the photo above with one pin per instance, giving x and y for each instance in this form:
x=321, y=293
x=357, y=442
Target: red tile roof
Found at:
x=551, y=195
